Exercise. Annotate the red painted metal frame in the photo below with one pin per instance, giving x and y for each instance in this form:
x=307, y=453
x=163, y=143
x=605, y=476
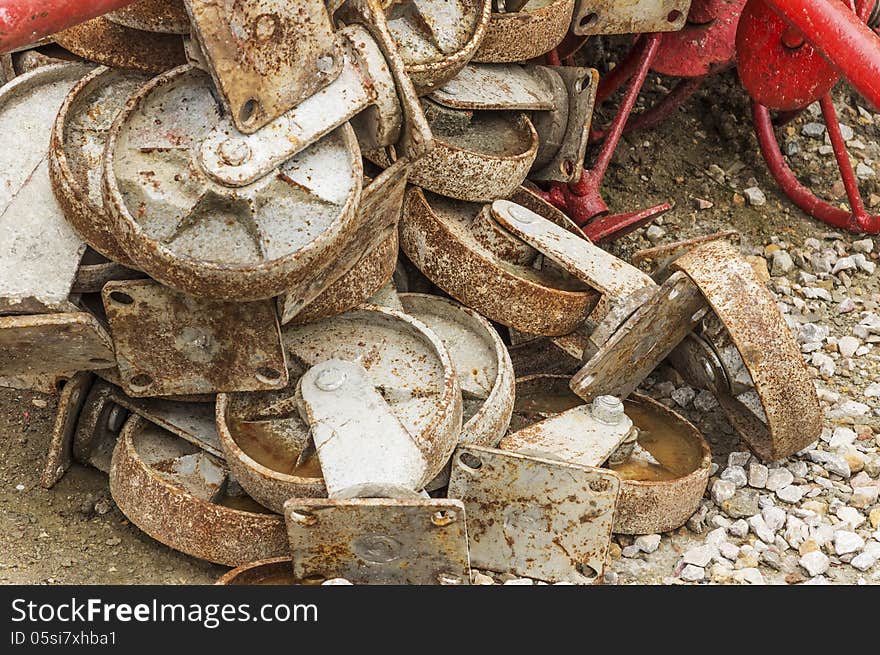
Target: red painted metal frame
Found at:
x=23, y=22
x=841, y=36
x=855, y=220
x=581, y=200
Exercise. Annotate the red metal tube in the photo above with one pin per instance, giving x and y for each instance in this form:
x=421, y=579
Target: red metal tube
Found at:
x=23, y=22
x=841, y=37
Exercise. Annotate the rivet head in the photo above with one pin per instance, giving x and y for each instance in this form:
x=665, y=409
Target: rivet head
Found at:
x=520, y=214
x=330, y=379
x=234, y=152
x=607, y=409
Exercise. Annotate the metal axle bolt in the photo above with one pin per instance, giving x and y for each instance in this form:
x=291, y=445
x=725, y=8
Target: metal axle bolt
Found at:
x=607, y=409
x=330, y=379
x=234, y=151
x=521, y=214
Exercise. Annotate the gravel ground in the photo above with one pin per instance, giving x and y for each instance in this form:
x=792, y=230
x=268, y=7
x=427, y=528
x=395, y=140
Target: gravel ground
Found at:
x=813, y=518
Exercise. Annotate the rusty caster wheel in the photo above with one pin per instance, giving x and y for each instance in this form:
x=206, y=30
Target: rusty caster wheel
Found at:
x=435, y=40
x=182, y=497
x=267, y=443
x=457, y=246
x=520, y=31
x=113, y=44
x=200, y=228
x=745, y=355
x=78, y=139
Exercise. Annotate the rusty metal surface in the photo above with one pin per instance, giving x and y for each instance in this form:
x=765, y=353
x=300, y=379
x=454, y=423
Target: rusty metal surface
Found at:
x=53, y=344
x=659, y=257
x=364, y=262
x=166, y=16
x=380, y=124
x=91, y=278
x=271, y=571
x=171, y=344
x=362, y=447
x=436, y=38
x=36, y=57
x=39, y=253
x=437, y=235
x=379, y=540
x=110, y=44
x=235, y=159
x=193, y=421
x=415, y=137
x=221, y=242
x=487, y=159
x=612, y=17
x=574, y=436
x=564, y=133
x=362, y=280
x=539, y=518
x=146, y=490
x=650, y=507
x=594, y=266
x=77, y=147
x=98, y=427
x=266, y=57
x=70, y=403
x=643, y=341
x=485, y=372
x=753, y=322
x=531, y=31
x=495, y=86
x=405, y=361
x=541, y=355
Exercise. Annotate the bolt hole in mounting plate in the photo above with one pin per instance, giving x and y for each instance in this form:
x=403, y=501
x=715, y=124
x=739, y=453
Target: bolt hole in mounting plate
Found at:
x=604, y=17
x=170, y=344
x=436, y=38
x=531, y=31
x=441, y=237
x=184, y=498
x=266, y=442
x=539, y=518
x=194, y=234
x=419, y=541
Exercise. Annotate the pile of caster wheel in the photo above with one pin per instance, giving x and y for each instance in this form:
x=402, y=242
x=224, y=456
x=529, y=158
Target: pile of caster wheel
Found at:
x=302, y=302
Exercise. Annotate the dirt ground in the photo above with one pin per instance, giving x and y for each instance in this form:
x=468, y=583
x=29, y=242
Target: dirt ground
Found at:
x=60, y=536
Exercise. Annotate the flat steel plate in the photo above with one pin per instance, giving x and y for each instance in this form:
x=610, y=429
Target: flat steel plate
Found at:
x=631, y=17
x=266, y=57
x=53, y=344
x=194, y=422
x=170, y=344
x=543, y=519
x=378, y=540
